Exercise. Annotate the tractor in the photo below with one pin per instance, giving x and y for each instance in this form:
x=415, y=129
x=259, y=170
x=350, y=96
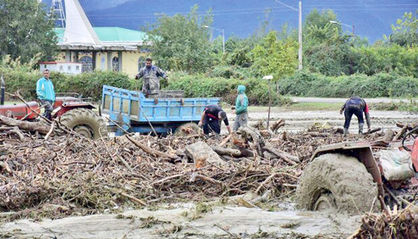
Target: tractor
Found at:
x=347, y=177
x=71, y=111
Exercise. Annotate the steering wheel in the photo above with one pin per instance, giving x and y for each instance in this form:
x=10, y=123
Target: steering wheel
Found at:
x=411, y=135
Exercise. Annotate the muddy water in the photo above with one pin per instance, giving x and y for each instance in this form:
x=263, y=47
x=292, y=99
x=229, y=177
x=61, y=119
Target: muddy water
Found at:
x=182, y=221
x=301, y=120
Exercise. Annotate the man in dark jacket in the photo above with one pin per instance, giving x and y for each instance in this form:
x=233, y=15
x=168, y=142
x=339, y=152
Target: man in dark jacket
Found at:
x=151, y=82
x=212, y=119
x=357, y=106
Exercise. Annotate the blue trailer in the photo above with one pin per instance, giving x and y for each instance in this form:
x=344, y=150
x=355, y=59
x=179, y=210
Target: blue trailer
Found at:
x=133, y=112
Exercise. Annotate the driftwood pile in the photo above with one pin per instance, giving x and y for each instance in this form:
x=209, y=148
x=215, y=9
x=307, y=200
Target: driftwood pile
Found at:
x=65, y=175
x=391, y=224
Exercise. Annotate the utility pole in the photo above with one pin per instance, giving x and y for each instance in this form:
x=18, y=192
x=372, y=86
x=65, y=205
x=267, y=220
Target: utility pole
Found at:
x=300, y=35
x=300, y=28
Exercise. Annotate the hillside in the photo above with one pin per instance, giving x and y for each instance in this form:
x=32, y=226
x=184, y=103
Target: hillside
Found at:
x=371, y=18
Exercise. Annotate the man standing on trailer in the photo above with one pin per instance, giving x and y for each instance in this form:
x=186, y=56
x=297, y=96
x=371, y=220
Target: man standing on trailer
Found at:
x=151, y=80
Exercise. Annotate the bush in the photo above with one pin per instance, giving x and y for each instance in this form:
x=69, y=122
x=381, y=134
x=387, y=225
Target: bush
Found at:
x=379, y=85
x=201, y=86
x=86, y=84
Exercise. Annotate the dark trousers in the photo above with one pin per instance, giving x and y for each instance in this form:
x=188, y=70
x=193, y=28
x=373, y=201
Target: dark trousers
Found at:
x=47, y=104
x=211, y=125
x=348, y=113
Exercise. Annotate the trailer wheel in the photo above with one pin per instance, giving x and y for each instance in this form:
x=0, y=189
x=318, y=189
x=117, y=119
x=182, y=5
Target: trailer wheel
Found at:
x=85, y=122
x=337, y=182
x=187, y=129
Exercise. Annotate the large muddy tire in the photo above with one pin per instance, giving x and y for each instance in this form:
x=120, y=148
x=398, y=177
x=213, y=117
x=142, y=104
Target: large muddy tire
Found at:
x=187, y=129
x=85, y=122
x=336, y=181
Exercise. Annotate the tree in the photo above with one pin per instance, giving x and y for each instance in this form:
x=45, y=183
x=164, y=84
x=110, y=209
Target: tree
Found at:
x=326, y=49
x=273, y=56
x=26, y=30
x=405, y=32
x=182, y=42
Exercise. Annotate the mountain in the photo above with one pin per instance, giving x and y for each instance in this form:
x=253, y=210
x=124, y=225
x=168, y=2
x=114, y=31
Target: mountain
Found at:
x=371, y=18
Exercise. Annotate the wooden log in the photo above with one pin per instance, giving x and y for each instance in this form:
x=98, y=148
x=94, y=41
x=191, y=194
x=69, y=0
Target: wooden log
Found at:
x=25, y=125
x=400, y=133
x=150, y=150
x=283, y=155
x=227, y=151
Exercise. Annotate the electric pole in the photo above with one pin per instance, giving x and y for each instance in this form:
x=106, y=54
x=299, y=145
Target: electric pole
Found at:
x=300, y=35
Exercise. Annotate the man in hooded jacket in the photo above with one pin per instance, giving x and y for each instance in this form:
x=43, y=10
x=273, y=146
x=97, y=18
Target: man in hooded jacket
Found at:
x=241, y=105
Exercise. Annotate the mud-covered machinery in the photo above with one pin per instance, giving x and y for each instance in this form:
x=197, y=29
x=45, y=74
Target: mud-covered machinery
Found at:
x=350, y=177
x=73, y=112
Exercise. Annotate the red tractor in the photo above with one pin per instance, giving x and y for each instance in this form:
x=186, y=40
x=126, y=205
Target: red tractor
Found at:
x=72, y=112
x=351, y=177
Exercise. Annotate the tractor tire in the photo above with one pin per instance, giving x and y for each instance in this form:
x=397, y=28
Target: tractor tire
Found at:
x=187, y=129
x=337, y=182
x=85, y=122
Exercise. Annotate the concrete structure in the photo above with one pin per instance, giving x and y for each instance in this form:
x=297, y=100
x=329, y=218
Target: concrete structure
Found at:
x=73, y=68
x=99, y=48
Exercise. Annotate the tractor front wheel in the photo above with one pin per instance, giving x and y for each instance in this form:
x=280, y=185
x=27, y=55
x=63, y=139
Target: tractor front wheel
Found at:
x=84, y=122
x=337, y=182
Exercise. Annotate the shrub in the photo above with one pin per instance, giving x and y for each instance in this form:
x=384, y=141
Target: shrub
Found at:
x=379, y=85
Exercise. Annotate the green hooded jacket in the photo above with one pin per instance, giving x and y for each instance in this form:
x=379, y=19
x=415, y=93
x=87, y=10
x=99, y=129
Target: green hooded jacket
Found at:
x=241, y=102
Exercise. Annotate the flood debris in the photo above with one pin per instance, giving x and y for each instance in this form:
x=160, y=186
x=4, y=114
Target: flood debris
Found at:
x=59, y=175
x=393, y=224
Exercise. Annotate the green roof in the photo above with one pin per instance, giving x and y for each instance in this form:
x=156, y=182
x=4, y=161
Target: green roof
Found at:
x=111, y=34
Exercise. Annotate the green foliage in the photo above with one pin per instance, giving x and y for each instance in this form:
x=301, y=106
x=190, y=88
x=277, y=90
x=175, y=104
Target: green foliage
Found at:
x=275, y=57
x=371, y=60
x=405, y=32
x=199, y=85
x=379, y=85
x=181, y=43
x=86, y=84
x=90, y=84
x=26, y=30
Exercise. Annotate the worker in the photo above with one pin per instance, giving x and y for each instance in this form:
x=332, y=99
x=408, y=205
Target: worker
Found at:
x=357, y=106
x=212, y=118
x=151, y=82
x=241, y=104
x=45, y=93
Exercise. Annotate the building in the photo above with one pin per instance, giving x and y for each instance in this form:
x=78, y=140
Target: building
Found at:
x=98, y=48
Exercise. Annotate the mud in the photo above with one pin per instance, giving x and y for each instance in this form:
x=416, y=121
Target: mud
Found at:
x=337, y=173
x=301, y=120
x=185, y=221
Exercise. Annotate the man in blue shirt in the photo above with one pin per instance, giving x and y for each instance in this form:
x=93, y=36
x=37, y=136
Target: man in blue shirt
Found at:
x=45, y=93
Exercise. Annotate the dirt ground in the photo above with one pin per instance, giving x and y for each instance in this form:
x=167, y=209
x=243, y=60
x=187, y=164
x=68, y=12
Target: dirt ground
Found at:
x=217, y=220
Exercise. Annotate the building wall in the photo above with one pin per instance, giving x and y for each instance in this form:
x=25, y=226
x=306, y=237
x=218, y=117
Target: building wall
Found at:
x=129, y=60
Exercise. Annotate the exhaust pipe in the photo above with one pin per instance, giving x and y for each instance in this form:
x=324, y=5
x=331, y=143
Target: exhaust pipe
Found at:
x=3, y=86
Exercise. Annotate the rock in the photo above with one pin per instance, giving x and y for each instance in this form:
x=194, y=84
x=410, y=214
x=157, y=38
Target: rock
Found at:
x=202, y=154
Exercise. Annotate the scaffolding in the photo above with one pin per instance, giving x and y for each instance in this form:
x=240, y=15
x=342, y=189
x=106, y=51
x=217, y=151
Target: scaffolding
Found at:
x=58, y=13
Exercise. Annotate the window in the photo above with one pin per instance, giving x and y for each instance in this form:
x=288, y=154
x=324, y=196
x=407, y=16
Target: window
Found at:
x=141, y=62
x=115, y=63
x=86, y=64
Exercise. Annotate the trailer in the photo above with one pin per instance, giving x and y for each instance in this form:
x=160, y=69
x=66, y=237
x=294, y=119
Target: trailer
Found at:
x=130, y=111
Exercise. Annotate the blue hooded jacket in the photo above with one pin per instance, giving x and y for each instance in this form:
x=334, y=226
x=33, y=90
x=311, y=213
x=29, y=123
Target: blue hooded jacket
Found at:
x=241, y=102
x=45, y=89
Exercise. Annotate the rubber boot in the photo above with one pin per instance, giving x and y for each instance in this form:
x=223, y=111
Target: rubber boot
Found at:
x=360, y=128
x=345, y=132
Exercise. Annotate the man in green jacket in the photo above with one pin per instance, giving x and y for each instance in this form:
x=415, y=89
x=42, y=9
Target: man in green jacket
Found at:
x=241, y=104
x=45, y=93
